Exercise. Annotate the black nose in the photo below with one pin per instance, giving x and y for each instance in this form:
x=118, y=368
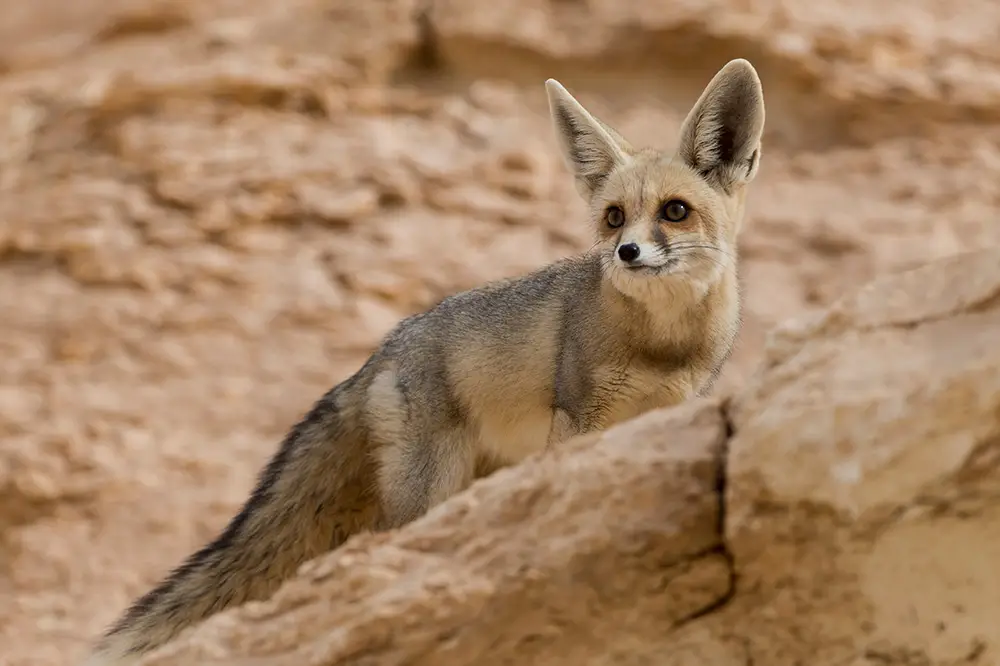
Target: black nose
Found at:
x=628, y=252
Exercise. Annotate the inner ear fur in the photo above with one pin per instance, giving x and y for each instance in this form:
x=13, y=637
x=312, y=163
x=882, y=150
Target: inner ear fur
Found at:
x=590, y=148
x=720, y=138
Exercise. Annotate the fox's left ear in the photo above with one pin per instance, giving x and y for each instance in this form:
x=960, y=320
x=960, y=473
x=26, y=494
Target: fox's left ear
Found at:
x=720, y=139
x=591, y=149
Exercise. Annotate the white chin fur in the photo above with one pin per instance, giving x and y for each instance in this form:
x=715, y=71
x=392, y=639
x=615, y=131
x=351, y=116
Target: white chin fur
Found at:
x=679, y=282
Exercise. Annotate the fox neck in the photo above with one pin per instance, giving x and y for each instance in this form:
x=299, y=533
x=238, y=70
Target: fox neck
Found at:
x=671, y=311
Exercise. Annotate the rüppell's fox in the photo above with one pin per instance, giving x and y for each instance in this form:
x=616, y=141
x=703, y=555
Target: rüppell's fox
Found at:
x=486, y=377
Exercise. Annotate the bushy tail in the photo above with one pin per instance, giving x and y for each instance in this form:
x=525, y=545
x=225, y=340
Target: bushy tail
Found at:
x=317, y=490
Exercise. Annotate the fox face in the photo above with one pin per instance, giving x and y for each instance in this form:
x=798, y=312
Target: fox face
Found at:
x=667, y=218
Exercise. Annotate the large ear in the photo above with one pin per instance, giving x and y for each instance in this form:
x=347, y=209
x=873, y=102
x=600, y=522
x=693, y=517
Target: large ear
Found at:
x=720, y=138
x=590, y=148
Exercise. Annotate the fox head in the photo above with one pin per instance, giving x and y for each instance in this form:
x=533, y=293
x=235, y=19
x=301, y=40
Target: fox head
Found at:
x=667, y=217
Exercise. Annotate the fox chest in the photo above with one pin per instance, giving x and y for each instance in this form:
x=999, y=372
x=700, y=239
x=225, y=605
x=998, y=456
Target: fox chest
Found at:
x=518, y=423
x=621, y=393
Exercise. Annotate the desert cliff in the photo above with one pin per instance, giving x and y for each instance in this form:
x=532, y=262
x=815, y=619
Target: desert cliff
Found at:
x=211, y=211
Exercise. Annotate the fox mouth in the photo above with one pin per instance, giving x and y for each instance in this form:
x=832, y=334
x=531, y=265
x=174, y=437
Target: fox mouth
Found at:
x=652, y=270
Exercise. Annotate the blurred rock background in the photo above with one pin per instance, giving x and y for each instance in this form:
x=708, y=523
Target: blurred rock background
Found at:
x=211, y=210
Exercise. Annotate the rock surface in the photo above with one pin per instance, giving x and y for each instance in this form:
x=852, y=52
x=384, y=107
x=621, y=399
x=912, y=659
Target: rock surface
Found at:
x=863, y=495
x=858, y=521
x=210, y=211
x=636, y=517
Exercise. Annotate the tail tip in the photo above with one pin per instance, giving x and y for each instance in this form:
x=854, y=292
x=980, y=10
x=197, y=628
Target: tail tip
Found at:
x=106, y=657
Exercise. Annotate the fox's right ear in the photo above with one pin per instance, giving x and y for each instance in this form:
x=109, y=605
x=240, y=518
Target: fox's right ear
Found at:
x=720, y=139
x=590, y=148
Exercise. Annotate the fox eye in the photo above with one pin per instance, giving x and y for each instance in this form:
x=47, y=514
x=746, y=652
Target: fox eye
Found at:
x=675, y=210
x=615, y=217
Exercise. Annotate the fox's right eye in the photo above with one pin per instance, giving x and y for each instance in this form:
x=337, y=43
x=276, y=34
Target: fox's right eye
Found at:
x=615, y=217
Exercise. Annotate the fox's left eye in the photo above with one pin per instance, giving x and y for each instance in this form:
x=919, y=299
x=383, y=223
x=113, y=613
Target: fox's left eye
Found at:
x=615, y=217
x=675, y=210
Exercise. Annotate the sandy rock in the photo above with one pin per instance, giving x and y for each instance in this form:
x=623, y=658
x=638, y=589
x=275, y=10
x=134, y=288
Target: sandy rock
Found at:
x=622, y=526
x=854, y=58
x=864, y=476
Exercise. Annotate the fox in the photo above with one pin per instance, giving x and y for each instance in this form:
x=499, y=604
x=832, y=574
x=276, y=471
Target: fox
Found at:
x=644, y=319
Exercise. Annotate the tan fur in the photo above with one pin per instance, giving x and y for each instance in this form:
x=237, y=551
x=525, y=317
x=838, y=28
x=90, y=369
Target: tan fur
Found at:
x=490, y=376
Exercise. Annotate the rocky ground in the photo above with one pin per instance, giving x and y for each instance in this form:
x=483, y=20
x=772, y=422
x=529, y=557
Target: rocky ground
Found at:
x=210, y=211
